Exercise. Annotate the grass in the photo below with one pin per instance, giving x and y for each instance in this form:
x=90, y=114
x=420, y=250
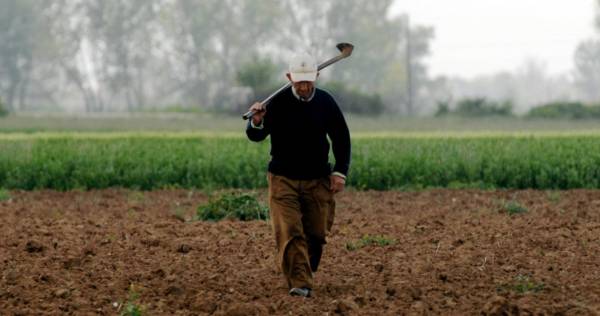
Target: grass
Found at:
x=514, y=208
x=4, y=195
x=132, y=307
x=553, y=196
x=179, y=214
x=370, y=240
x=240, y=206
x=522, y=284
x=136, y=197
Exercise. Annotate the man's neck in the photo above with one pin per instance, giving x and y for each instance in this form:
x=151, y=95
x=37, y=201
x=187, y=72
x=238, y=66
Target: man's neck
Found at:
x=310, y=97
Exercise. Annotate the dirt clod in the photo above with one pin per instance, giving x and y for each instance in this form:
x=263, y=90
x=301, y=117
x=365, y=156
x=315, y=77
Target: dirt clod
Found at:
x=183, y=248
x=174, y=290
x=62, y=293
x=344, y=307
x=34, y=246
x=496, y=306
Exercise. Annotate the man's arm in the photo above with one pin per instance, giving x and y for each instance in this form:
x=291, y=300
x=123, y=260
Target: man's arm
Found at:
x=257, y=128
x=340, y=141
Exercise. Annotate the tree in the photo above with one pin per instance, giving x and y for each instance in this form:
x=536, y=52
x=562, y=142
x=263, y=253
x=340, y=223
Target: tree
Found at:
x=598, y=15
x=258, y=75
x=72, y=51
x=121, y=45
x=21, y=30
x=208, y=40
x=587, y=69
x=103, y=49
x=119, y=54
x=379, y=63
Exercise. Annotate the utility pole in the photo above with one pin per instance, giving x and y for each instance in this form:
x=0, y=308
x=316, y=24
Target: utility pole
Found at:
x=409, y=69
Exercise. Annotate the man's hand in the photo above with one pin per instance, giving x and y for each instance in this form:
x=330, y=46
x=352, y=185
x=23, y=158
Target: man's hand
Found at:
x=259, y=112
x=336, y=183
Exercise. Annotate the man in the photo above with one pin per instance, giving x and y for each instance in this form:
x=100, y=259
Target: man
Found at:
x=302, y=183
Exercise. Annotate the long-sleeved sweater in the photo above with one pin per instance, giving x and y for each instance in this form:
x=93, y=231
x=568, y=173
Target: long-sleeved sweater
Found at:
x=299, y=130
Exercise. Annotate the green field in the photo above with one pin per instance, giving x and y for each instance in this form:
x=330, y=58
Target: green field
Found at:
x=178, y=122
x=380, y=160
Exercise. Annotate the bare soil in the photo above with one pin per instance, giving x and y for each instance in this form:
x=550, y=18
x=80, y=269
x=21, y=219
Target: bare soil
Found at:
x=456, y=252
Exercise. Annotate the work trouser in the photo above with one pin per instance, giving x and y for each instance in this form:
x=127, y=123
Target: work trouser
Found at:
x=302, y=213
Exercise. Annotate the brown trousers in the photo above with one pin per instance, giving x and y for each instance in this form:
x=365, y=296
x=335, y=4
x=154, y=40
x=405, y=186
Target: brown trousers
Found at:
x=302, y=213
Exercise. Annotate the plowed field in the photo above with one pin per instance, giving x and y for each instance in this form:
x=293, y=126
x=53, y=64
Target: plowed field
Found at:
x=455, y=252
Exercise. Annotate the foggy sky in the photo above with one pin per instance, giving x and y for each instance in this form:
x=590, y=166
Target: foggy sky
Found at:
x=474, y=37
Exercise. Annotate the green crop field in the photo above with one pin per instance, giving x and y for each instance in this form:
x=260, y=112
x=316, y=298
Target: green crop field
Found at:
x=180, y=122
x=150, y=160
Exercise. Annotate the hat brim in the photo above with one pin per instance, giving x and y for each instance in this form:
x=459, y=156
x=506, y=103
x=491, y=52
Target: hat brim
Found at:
x=303, y=76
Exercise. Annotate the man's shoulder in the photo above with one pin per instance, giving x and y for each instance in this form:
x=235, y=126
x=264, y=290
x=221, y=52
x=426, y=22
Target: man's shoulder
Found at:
x=282, y=97
x=324, y=95
x=284, y=94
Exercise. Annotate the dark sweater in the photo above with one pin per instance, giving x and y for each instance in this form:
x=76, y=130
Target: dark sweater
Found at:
x=299, y=130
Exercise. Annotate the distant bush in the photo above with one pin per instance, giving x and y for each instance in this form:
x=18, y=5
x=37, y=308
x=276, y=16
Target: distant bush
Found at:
x=242, y=206
x=565, y=110
x=173, y=108
x=480, y=107
x=443, y=108
x=259, y=75
x=475, y=107
x=352, y=100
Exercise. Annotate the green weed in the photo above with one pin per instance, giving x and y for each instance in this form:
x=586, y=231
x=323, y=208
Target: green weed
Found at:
x=514, y=208
x=131, y=307
x=136, y=197
x=553, y=196
x=370, y=240
x=179, y=214
x=241, y=206
x=522, y=284
x=4, y=195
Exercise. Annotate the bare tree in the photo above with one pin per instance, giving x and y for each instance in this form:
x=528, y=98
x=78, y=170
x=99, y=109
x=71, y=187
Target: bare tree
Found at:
x=587, y=69
x=119, y=34
x=21, y=33
x=598, y=15
x=74, y=54
x=120, y=54
x=587, y=64
x=208, y=41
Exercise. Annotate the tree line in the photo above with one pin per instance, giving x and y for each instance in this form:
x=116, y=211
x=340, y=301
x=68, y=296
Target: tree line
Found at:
x=219, y=55
x=111, y=55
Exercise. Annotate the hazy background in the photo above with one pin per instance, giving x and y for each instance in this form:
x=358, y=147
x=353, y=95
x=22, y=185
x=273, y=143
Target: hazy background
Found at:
x=413, y=58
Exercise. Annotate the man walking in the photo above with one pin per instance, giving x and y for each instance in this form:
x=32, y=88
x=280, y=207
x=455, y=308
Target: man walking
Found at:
x=302, y=183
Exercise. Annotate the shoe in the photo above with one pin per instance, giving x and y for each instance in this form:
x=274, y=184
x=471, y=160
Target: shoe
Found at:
x=300, y=291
